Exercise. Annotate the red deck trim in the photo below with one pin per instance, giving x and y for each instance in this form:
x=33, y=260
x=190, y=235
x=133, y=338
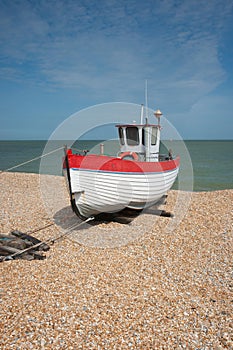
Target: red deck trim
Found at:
x=105, y=163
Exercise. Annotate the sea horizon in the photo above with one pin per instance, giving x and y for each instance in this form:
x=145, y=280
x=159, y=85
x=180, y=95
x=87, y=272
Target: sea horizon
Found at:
x=211, y=160
x=97, y=139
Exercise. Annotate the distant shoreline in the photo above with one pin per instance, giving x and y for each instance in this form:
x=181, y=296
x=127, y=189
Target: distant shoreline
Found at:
x=173, y=189
x=61, y=176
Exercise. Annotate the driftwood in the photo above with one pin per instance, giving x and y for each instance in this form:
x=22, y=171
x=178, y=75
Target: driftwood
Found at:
x=28, y=244
x=30, y=240
x=18, y=245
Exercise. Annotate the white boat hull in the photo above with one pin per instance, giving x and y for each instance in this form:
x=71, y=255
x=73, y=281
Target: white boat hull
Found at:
x=96, y=191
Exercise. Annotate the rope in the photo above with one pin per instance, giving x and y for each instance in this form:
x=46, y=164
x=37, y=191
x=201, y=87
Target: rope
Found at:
x=49, y=240
x=52, y=240
x=31, y=160
x=40, y=229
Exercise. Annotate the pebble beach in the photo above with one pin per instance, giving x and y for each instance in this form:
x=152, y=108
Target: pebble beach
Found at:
x=156, y=283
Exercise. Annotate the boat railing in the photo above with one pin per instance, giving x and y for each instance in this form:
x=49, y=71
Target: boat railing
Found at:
x=163, y=157
x=81, y=152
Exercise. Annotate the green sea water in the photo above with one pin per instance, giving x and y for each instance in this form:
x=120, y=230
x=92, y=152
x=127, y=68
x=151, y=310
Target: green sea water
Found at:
x=211, y=161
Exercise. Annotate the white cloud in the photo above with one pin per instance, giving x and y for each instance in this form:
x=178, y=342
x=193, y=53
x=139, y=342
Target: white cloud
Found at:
x=209, y=118
x=108, y=48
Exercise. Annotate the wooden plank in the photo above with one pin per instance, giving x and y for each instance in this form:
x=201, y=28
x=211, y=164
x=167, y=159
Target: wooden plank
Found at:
x=33, y=240
x=8, y=251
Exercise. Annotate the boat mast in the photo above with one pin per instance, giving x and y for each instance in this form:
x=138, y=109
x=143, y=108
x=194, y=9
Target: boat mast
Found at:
x=146, y=128
x=142, y=112
x=146, y=101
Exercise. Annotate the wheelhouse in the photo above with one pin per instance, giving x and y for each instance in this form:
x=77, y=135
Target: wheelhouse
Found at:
x=141, y=139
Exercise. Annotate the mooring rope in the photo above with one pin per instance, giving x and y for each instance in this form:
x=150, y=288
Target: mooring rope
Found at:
x=31, y=160
x=68, y=231
x=49, y=240
x=40, y=229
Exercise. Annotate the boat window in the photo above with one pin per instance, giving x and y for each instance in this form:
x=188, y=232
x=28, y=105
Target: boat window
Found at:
x=154, y=136
x=143, y=137
x=132, y=136
x=121, y=136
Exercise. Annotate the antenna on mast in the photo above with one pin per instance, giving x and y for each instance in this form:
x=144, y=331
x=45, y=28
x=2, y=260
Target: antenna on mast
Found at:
x=146, y=101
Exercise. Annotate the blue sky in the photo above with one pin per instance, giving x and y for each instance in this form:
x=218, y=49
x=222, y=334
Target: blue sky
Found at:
x=59, y=57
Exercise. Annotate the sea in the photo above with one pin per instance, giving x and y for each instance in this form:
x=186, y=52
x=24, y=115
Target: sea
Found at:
x=206, y=165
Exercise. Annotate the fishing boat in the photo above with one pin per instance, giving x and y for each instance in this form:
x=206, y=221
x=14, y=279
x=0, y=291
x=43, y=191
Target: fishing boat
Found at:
x=136, y=178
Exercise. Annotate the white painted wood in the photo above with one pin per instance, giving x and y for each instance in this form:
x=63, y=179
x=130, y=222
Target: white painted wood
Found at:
x=97, y=191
